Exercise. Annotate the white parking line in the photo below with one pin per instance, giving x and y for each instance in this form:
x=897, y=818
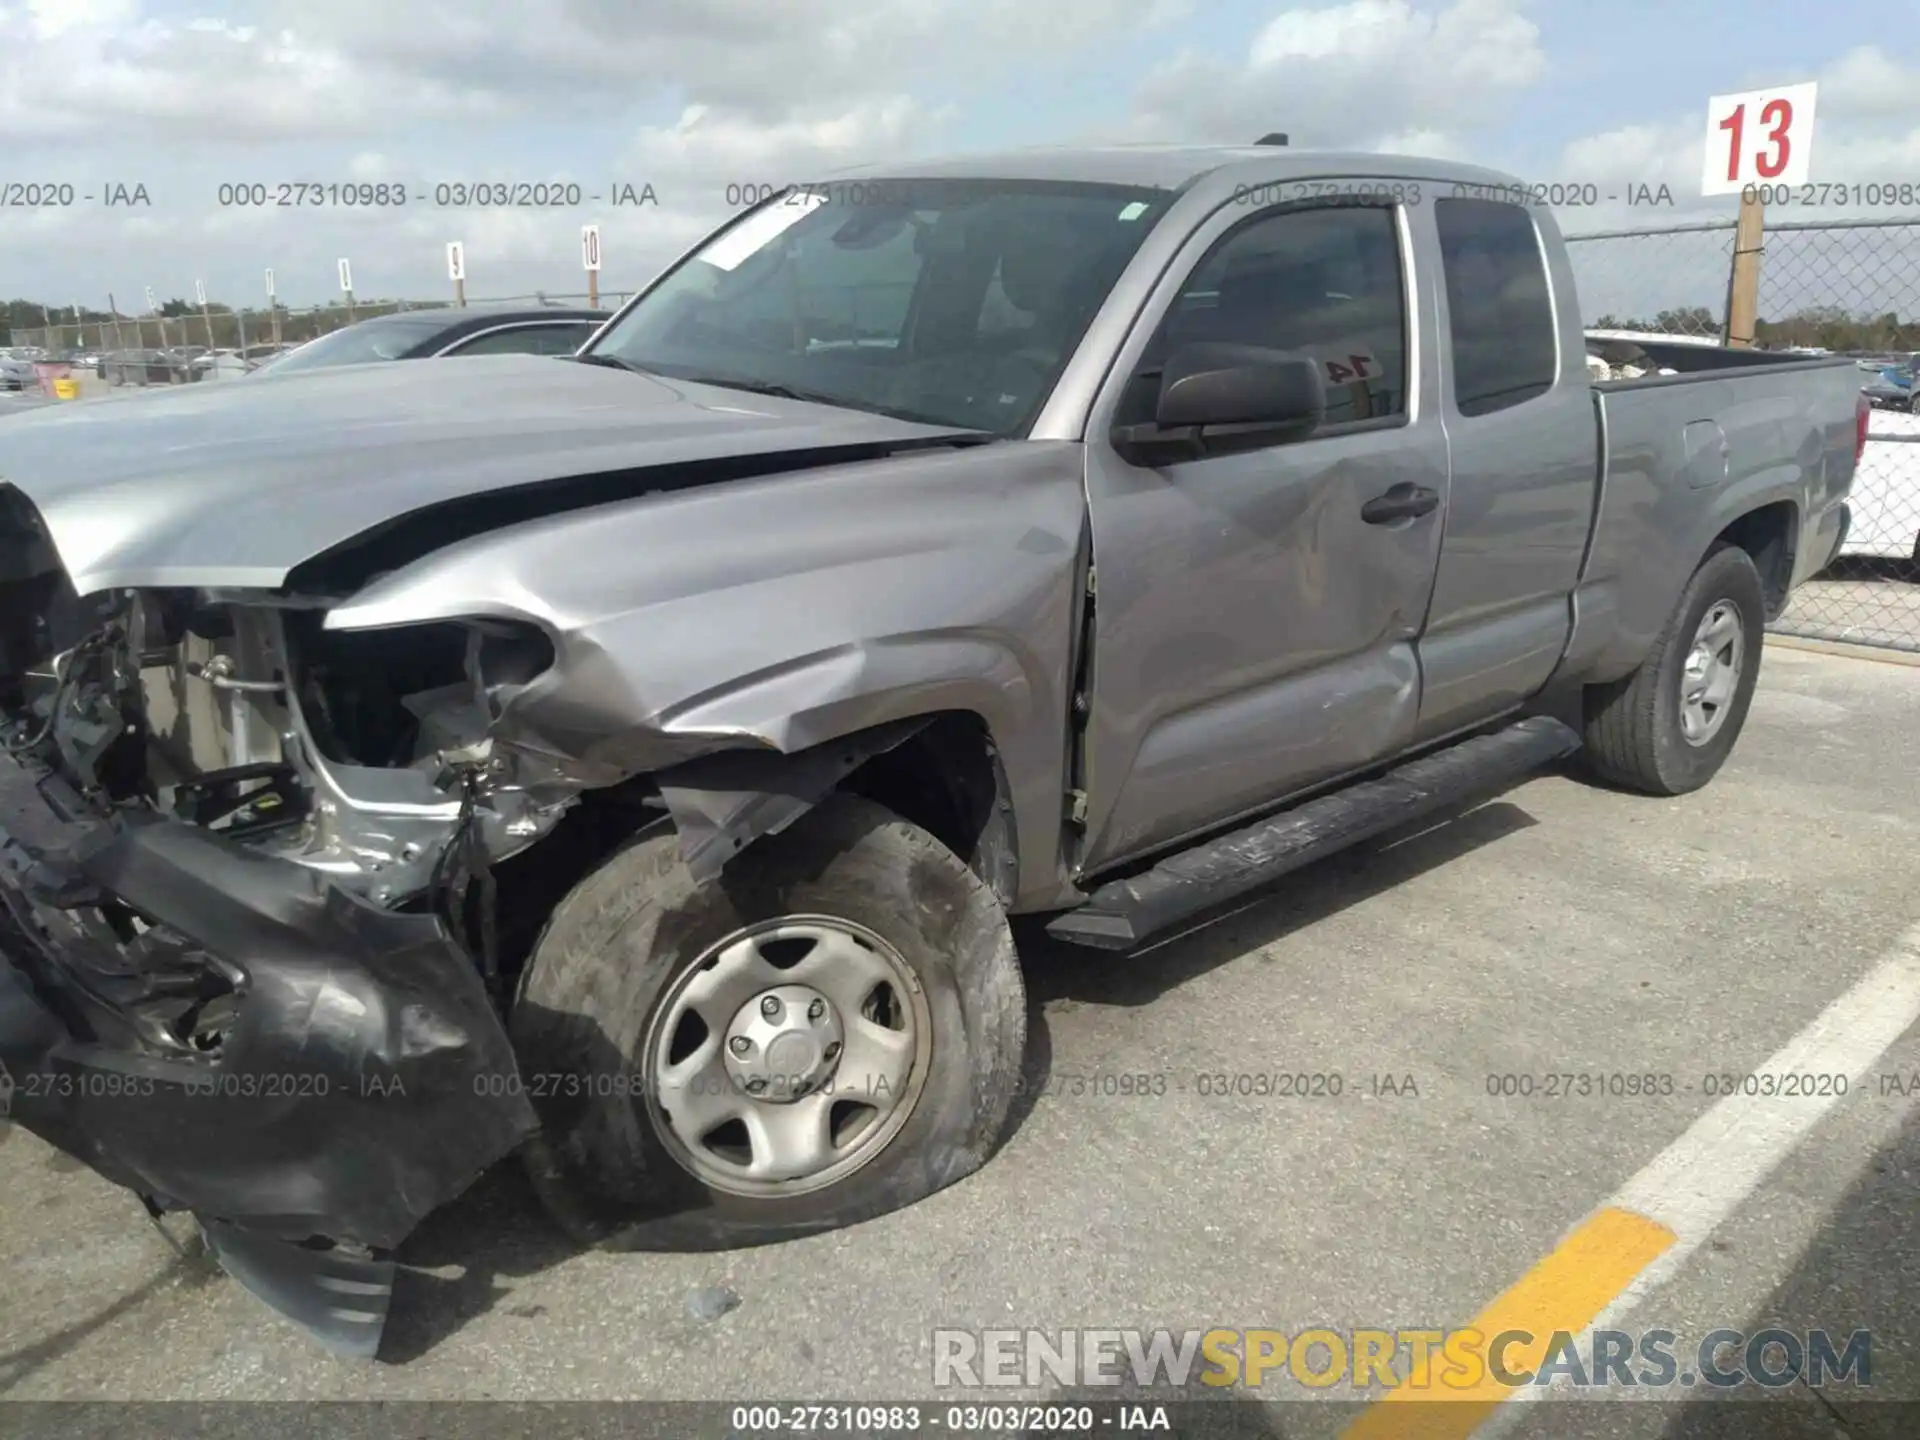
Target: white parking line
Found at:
x=1621, y=1252
x=1696, y=1183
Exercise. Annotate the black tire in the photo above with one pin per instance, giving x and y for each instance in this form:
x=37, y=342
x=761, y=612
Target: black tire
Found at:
x=1633, y=732
x=612, y=951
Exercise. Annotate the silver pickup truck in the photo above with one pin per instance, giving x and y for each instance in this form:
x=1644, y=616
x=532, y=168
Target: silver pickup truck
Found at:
x=634, y=760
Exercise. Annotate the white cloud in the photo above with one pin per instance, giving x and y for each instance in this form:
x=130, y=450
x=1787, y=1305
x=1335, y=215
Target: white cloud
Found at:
x=692, y=95
x=442, y=90
x=722, y=145
x=1352, y=75
x=1426, y=142
x=354, y=67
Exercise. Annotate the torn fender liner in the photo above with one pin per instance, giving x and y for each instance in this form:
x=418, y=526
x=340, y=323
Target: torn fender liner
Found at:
x=721, y=803
x=361, y=1081
x=339, y=1298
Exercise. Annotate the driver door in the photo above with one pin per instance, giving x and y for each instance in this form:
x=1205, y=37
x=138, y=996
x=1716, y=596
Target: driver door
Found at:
x=1254, y=634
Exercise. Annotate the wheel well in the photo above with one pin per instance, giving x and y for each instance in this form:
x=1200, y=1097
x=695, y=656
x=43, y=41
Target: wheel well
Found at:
x=1769, y=536
x=530, y=884
x=947, y=779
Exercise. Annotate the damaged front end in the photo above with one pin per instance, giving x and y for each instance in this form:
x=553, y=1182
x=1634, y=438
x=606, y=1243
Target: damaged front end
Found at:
x=248, y=965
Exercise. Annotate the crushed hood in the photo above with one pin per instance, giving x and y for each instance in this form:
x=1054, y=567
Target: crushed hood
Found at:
x=234, y=483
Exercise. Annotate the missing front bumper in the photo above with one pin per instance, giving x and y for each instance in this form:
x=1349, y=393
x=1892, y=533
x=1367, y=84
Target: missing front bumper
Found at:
x=362, y=1080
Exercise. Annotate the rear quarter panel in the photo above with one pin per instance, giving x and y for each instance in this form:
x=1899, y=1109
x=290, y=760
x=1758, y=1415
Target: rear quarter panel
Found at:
x=1682, y=458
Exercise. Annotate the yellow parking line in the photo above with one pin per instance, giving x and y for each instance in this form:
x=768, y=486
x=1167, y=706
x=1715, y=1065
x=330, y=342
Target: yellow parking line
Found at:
x=1570, y=1287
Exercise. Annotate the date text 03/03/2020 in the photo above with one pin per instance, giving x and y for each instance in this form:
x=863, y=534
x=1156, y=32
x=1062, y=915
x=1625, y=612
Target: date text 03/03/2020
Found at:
x=961, y=1419
x=1271, y=1084
x=1565, y=194
x=446, y=195
x=1646, y=1084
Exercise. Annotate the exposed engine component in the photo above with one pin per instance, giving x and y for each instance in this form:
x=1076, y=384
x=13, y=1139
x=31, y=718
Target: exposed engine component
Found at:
x=367, y=756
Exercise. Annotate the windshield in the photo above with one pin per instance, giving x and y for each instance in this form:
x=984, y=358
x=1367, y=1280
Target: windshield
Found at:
x=356, y=345
x=953, y=302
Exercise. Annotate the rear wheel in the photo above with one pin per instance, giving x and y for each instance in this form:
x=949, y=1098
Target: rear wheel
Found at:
x=832, y=1030
x=1668, y=727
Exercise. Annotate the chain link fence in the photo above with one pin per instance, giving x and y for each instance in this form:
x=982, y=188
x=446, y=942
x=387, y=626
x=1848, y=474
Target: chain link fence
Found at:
x=1848, y=287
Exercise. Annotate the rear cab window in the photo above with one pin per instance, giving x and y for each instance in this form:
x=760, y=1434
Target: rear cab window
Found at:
x=1500, y=326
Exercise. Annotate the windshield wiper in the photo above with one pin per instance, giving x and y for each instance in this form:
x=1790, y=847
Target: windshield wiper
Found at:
x=612, y=362
x=810, y=397
x=764, y=387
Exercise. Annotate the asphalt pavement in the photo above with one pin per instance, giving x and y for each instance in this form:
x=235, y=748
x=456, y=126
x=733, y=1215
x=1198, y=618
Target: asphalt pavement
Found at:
x=1558, y=930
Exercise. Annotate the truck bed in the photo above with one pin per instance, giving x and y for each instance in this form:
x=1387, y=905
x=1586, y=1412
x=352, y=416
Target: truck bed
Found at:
x=1751, y=426
x=1697, y=359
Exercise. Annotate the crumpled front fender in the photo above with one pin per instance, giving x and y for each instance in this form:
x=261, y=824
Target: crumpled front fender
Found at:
x=363, y=1078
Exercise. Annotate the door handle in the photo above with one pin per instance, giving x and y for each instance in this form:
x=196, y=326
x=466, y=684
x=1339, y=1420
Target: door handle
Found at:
x=1401, y=502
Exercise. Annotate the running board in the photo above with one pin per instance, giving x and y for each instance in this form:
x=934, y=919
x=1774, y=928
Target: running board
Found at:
x=1122, y=913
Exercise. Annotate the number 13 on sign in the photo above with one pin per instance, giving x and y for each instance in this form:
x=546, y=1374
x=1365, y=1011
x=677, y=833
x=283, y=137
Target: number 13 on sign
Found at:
x=1758, y=137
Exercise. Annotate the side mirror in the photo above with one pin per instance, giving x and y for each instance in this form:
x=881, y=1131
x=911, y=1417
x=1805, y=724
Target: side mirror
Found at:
x=1250, y=392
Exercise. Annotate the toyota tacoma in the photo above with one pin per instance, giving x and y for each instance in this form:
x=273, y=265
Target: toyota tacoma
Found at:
x=633, y=760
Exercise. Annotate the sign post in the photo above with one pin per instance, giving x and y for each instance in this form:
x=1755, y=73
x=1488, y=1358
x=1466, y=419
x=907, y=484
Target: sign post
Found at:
x=153, y=309
x=1756, y=140
x=457, y=271
x=200, y=294
x=590, y=257
x=273, y=311
x=113, y=309
x=346, y=287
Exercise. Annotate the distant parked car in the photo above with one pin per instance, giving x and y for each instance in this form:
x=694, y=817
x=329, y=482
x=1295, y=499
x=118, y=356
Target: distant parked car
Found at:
x=1885, y=500
x=467, y=330
x=1894, y=389
x=137, y=367
x=217, y=365
x=16, y=373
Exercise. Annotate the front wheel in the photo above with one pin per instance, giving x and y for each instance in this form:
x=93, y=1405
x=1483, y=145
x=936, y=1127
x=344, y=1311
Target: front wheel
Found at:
x=830, y=1031
x=1668, y=727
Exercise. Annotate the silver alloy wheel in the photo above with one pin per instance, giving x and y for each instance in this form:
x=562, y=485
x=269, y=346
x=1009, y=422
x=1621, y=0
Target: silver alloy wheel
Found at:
x=787, y=1056
x=1712, y=672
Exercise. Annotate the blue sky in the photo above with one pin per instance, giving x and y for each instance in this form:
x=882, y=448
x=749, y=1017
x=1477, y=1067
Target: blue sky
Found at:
x=184, y=95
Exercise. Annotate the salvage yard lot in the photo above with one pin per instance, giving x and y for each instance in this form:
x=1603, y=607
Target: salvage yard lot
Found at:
x=1558, y=928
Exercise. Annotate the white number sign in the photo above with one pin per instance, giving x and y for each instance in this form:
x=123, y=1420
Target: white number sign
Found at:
x=1758, y=137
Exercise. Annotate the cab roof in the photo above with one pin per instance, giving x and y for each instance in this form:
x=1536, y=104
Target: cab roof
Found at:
x=1175, y=167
